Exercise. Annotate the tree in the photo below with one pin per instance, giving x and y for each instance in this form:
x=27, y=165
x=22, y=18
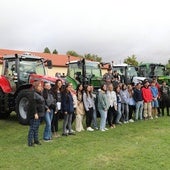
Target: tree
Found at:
x=46, y=50
x=131, y=60
x=73, y=53
x=88, y=56
x=55, y=51
x=93, y=57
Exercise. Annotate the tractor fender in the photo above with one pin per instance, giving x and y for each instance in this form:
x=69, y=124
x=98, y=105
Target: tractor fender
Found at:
x=23, y=87
x=5, y=85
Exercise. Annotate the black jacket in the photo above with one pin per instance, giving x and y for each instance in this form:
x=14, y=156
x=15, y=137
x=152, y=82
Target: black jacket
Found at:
x=37, y=105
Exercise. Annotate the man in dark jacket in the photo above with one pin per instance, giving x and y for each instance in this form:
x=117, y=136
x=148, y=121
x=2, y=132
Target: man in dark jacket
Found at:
x=38, y=110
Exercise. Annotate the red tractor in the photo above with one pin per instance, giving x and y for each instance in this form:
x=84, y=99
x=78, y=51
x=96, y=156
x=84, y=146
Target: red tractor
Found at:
x=18, y=74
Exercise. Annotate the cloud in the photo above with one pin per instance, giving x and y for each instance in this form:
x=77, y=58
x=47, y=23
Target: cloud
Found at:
x=111, y=29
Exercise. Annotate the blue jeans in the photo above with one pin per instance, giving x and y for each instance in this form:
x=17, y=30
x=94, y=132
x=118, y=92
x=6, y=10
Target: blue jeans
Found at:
x=48, y=119
x=103, y=118
x=139, y=110
x=119, y=113
x=94, y=120
x=67, y=121
x=125, y=111
x=33, y=131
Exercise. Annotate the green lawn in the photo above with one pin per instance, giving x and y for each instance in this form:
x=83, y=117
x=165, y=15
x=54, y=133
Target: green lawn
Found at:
x=142, y=145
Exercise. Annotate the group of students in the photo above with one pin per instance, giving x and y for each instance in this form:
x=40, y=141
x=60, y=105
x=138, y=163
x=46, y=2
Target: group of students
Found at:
x=115, y=105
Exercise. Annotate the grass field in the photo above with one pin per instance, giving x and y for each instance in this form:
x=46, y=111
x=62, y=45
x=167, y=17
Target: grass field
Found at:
x=142, y=145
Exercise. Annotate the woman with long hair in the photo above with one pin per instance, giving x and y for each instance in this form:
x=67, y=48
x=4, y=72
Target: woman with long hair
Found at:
x=80, y=108
x=50, y=106
x=103, y=106
x=89, y=106
x=67, y=109
x=56, y=89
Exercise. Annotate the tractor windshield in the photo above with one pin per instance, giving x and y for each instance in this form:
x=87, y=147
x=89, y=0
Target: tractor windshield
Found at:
x=93, y=68
x=27, y=67
x=131, y=71
x=32, y=66
x=150, y=70
x=159, y=70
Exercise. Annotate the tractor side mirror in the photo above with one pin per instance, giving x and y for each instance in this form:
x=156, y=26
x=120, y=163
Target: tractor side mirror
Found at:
x=136, y=68
x=49, y=64
x=79, y=64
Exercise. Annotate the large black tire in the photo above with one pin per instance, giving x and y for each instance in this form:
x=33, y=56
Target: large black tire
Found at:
x=23, y=103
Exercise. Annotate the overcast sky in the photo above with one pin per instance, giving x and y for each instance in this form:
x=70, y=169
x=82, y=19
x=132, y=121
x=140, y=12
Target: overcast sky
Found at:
x=112, y=29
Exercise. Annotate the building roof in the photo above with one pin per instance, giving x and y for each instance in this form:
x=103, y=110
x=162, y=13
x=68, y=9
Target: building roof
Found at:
x=57, y=59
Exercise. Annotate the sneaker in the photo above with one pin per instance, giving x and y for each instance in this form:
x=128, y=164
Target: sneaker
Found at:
x=102, y=130
x=151, y=118
x=156, y=117
x=131, y=120
x=90, y=129
x=72, y=131
x=47, y=140
x=106, y=129
x=119, y=123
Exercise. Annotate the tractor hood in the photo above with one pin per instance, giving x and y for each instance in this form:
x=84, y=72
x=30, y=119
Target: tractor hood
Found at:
x=51, y=80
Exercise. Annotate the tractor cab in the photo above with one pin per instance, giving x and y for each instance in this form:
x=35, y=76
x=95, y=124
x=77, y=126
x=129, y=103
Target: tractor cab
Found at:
x=17, y=69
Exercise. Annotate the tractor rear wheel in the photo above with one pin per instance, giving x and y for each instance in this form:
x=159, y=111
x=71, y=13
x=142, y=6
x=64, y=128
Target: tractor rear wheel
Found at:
x=4, y=113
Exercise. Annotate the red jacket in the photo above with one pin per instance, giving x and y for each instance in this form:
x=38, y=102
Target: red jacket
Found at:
x=147, y=94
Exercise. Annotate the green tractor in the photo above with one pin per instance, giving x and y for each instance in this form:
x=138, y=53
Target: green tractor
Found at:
x=84, y=72
x=150, y=70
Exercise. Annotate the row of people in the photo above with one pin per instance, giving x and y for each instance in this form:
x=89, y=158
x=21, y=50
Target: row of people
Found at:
x=115, y=105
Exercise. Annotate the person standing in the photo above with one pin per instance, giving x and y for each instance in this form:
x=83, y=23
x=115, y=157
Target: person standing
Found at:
x=50, y=106
x=73, y=92
x=67, y=109
x=164, y=90
x=125, y=103
x=147, y=98
x=155, y=103
x=37, y=112
x=116, y=78
x=119, y=112
x=112, y=111
x=94, y=120
x=108, y=77
x=89, y=106
x=56, y=90
x=103, y=106
x=79, y=109
x=139, y=102
x=131, y=103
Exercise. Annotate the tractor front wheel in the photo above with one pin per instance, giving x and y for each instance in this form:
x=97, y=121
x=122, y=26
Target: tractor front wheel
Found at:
x=23, y=103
